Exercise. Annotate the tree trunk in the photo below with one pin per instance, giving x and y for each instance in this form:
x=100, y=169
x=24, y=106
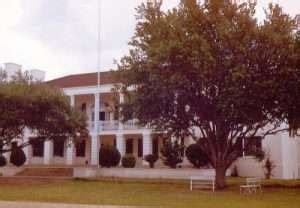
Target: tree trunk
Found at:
x=220, y=176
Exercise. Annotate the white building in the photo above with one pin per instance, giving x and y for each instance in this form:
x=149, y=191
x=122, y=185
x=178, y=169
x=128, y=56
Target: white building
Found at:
x=105, y=128
x=11, y=69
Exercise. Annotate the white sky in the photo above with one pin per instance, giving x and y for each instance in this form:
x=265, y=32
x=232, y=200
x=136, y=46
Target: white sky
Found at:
x=60, y=36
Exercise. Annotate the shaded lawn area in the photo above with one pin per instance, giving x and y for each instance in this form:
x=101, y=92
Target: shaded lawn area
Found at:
x=165, y=193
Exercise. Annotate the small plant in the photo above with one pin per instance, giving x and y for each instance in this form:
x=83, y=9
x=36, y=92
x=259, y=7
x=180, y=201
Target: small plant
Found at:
x=151, y=159
x=128, y=161
x=172, y=153
x=2, y=161
x=269, y=167
x=109, y=156
x=196, y=156
x=234, y=172
x=17, y=157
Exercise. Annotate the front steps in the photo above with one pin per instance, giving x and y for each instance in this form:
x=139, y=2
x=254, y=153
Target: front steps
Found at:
x=62, y=172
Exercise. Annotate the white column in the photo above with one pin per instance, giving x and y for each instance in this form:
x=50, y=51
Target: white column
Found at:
x=72, y=100
x=48, y=152
x=94, y=149
x=120, y=143
x=70, y=151
x=147, y=143
x=121, y=127
x=26, y=148
x=96, y=112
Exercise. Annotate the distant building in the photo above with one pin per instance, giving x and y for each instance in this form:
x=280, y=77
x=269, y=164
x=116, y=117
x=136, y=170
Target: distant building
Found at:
x=11, y=69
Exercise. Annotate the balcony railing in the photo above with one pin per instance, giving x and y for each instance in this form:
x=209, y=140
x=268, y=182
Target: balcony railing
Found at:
x=112, y=125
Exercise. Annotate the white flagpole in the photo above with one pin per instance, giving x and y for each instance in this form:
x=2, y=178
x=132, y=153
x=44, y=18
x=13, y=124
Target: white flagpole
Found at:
x=98, y=42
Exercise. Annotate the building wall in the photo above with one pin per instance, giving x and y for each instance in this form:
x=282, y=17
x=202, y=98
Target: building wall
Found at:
x=283, y=152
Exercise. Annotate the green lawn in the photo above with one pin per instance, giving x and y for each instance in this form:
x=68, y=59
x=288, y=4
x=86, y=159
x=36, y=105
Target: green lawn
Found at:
x=150, y=193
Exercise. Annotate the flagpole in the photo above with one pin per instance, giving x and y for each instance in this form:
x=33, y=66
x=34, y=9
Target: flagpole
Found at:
x=98, y=42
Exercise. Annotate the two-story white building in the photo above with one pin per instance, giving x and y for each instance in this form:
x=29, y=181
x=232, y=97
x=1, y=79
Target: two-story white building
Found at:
x=105, y=128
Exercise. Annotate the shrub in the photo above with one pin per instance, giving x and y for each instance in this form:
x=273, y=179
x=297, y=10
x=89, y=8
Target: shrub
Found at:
x=172, y=153
x=2, y=161
x=109, y=156
x=151, y=159
x=17, y=157
x=128, y=161
x=196, y=156
x=269, y=167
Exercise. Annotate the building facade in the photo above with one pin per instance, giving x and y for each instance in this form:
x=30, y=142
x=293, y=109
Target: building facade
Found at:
x=106, y=129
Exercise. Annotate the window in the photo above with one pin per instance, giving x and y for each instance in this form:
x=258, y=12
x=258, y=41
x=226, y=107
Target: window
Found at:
x=155, y=146
x=254, y=144
x=83, y=107
x=102, y=116
x=140, y=147
x=37, y=148
x=250, y=146
x=58, y=148
x=80, y=148
x=1, y=146
x=129, y=146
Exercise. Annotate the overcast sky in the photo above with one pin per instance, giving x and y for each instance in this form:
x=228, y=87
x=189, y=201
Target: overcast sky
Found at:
x=60, y=36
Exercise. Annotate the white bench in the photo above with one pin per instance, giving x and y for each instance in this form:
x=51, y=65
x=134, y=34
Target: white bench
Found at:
x=251, y=186
x=202, y=183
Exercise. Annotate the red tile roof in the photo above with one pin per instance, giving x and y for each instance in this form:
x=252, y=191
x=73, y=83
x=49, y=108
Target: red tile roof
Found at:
x=79, y=80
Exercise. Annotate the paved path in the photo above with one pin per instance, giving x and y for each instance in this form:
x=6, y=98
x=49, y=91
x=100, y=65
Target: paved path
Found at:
x=5, y=204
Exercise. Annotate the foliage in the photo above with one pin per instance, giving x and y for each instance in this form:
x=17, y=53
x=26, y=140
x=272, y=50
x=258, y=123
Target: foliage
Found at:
x=109, y=156
x=269, y=167
x=151, y=159
x=17, y=157
x=172, y=153
x=38, y=107
x=196, y=155
x=2, y=161
x=209, y=70
x=128, y=161
x=259, y=155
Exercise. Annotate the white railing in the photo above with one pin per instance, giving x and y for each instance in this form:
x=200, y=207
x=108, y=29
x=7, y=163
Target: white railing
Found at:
x=111, y=125
x=131, y=125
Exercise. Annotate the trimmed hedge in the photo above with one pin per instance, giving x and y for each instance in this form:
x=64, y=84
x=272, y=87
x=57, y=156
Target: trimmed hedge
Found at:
x=196, y=156
x=128, y=161
x=109, y=156
x=17, y=157
x=151, y=159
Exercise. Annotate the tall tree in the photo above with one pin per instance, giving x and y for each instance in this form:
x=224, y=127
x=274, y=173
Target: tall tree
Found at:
x=211, y=71
x=44, y=110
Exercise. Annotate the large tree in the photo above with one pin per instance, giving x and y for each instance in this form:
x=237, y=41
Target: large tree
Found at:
x=210, y=70
x=41, y=109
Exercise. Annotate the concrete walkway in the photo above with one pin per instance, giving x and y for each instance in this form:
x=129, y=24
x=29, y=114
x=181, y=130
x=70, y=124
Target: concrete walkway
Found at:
x=6, y=204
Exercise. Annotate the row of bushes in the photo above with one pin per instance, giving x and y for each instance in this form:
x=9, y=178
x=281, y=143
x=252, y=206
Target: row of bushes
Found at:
x=17, y=158
x=109, y=156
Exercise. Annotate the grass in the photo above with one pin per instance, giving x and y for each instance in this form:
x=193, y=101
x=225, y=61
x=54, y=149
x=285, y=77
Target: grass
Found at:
x=159, y=193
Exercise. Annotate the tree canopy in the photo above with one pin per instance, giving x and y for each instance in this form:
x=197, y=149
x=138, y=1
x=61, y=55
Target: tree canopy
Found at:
x=43, y=110
x=210, y=70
